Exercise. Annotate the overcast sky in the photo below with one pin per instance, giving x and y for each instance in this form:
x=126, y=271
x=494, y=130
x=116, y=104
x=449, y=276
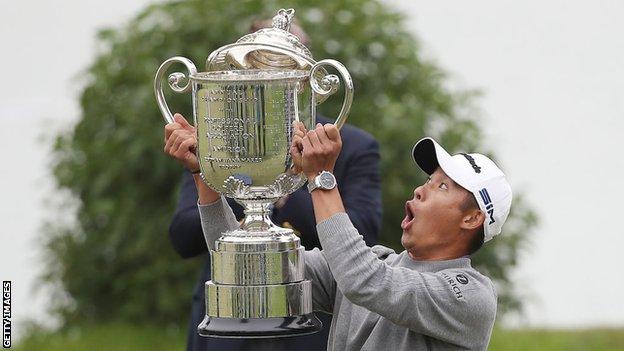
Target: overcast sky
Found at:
x=552, y=76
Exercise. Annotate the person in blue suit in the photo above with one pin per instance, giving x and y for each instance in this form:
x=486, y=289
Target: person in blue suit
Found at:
x=357, y=175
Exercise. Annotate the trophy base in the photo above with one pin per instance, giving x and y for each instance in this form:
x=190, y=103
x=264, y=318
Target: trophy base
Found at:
x=274, y=327
x=259, y=288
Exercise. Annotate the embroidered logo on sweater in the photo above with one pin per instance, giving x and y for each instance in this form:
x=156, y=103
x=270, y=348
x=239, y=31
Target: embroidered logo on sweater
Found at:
x=453, y=284
x=462, y=279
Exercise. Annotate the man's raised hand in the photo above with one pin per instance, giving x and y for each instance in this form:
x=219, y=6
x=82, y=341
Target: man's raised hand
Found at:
x=296, y=147
x=181, y=143
x=321, y=147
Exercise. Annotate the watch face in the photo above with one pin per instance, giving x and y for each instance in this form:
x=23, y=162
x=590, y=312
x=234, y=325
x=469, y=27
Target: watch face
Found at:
x=327, y=180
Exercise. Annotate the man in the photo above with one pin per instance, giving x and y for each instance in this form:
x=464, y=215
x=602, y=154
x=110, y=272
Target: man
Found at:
x=357, y=172
x=428, y=297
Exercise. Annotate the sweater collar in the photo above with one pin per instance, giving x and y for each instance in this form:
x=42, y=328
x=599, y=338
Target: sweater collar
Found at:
x=433, y=266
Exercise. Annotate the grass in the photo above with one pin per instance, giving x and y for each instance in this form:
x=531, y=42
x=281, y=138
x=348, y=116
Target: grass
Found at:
x=556, y=340
x=134, y=338
x=117, y=337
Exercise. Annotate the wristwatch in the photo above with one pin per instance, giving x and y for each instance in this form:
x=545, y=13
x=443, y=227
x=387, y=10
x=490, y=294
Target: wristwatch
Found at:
x=325, y=181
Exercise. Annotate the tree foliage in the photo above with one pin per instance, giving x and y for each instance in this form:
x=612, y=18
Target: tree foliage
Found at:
x=116, y=263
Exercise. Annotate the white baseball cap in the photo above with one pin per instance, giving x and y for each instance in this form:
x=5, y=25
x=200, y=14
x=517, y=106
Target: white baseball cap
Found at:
x=475, y=173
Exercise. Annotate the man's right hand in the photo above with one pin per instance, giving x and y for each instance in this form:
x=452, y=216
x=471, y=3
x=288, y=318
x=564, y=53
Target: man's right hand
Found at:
x=181, y=143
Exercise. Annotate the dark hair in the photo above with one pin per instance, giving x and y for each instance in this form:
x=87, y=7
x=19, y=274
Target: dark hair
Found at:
x=470, y=203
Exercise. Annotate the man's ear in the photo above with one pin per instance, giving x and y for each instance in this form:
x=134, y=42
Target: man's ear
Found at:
x=473, y=219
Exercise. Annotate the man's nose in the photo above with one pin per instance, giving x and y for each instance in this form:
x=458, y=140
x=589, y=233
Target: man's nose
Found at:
x=419, y=193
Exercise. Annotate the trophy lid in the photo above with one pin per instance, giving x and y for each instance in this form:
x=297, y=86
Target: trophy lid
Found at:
x=267, y=48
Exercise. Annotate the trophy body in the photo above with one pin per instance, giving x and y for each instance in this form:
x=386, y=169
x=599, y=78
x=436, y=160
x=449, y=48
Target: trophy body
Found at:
x=244, y=120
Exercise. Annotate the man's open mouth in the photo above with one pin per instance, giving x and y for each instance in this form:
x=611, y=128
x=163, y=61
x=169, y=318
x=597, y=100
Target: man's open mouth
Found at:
x=409, y=217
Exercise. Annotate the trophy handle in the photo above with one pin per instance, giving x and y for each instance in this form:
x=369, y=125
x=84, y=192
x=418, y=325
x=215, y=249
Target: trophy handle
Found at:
x=174, y=83
x=329, y=84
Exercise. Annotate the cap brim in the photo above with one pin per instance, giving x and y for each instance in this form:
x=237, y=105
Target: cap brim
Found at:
x=429, y=155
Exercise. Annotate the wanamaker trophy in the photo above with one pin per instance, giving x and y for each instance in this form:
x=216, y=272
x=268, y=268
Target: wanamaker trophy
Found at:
x=244, y=108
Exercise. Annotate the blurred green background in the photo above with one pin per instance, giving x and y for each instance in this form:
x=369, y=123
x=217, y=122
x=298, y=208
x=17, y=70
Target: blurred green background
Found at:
x=113, y=271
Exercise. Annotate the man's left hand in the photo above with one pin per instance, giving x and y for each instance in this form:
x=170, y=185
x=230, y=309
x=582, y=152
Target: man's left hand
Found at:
x=321, y=147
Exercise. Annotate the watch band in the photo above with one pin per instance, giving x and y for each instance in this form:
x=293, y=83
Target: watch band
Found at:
x=312, y=185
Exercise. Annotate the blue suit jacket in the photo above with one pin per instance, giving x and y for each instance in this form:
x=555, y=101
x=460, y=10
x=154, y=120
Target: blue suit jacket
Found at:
x=357, y=174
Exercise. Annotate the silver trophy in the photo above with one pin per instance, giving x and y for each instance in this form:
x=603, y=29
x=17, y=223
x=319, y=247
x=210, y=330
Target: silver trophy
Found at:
x=244, y=107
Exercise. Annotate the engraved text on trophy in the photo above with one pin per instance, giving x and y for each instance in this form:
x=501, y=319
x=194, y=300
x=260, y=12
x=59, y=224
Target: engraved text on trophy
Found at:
x=244, y=130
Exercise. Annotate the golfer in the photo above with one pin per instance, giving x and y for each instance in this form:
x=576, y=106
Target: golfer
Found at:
x=427, y=297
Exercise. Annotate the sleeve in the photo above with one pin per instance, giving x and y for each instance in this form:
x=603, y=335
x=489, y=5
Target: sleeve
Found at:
x=185, y=230
x=323, y=283
x=216, y=218
x=361, y=191
x=427, y=303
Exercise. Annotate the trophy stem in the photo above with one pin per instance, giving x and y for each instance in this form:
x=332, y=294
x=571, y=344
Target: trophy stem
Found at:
x=257, y=221
x=257, y=215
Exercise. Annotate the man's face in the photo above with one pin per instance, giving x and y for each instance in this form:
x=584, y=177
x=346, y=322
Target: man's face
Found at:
x=434, y=215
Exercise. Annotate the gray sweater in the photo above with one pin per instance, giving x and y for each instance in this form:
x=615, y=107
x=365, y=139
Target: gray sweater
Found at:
x=381, y=300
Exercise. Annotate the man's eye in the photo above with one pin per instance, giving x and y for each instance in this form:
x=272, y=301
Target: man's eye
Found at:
x=443, y=186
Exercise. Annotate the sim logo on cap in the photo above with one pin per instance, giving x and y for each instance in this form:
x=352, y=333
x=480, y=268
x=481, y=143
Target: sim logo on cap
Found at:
x=488, y=204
